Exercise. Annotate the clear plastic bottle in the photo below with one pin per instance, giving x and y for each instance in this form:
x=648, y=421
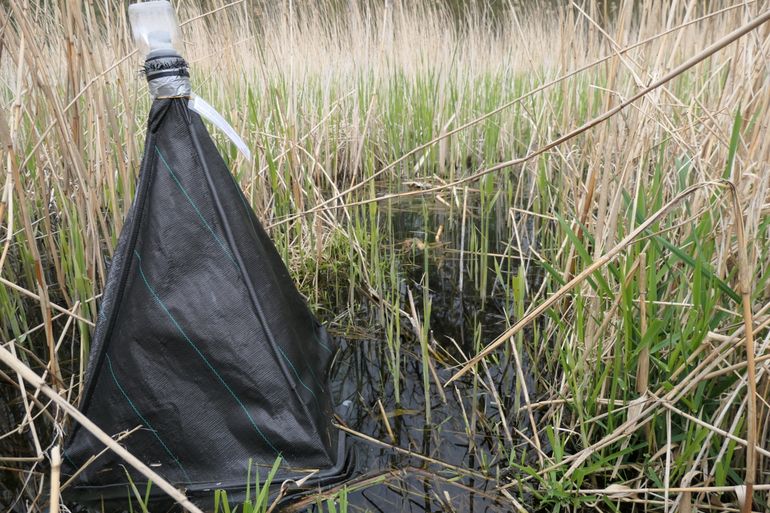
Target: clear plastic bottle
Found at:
x=154, y=26
x=156, y=33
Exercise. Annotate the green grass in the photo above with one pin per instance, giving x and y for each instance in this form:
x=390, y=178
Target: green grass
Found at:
x=325, y=111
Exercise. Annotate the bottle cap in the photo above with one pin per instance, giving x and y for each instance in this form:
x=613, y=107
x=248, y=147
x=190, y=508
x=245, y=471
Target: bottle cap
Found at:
x=154, y=26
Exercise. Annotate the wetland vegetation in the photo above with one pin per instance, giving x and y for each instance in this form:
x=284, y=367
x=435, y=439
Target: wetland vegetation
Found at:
x=439, y=181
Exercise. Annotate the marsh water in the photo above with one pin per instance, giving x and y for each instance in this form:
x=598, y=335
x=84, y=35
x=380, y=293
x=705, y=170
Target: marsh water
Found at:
x=456, y=455
x=461, y=258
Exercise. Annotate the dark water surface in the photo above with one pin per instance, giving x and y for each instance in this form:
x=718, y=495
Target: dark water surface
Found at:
x=461, y=321
x=460, y=450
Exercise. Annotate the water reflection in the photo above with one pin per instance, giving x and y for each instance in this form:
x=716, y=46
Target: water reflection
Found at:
x=457, y=469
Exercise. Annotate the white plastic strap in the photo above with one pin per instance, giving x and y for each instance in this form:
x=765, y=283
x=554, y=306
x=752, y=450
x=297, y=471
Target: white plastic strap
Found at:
x=208, y=112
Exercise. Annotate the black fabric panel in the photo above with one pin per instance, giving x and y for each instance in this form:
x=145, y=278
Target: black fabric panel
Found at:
x=202, y=339
x=283, y=308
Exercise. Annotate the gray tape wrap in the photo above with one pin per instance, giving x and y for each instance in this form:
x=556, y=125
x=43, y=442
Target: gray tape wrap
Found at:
x=166, y=73
x=169, y=86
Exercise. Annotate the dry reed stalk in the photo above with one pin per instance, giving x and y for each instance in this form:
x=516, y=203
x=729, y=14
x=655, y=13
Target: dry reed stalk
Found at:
x=386, y=422
x=676, y=121
x=644, y=416
x=588, y=271
x=33, y=379
x=667, y=471
x=54, y=306
x=401, y=450
x=525, y=393
x=42, y=286
x=360, y=482
x=90, y=460
x=29, y=419
x=562, y=79
x=695, y=377
x=503, y=417
x=643, y=365
x=711, y=427
x=53, y=498
x=744, y=277
x=741, y=365
x=680, y=489
x=701, y=56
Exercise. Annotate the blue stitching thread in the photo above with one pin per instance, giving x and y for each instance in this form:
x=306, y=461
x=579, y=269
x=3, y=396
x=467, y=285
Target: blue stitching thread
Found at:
x=254, y=232
x=202, y=356
x=318, y=340
x=145, y=421
x=67, y=456
x=295, y=371
x=242, y=196
x=229, y=254
x=192, y=203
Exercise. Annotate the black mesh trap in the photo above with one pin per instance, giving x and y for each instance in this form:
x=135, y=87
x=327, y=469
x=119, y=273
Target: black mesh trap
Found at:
x=203, y=342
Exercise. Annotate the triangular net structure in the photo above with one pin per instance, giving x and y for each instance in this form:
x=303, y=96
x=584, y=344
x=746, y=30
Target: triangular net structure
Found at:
x=203, y=344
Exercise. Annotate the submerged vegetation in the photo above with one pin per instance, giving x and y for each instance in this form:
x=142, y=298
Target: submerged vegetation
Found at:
x=405, y=169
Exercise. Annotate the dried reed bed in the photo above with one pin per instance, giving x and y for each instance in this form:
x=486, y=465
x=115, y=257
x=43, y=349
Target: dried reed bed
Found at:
x=641, y=392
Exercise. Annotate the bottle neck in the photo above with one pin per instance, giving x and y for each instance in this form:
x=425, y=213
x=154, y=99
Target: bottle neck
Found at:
x=167, y=74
